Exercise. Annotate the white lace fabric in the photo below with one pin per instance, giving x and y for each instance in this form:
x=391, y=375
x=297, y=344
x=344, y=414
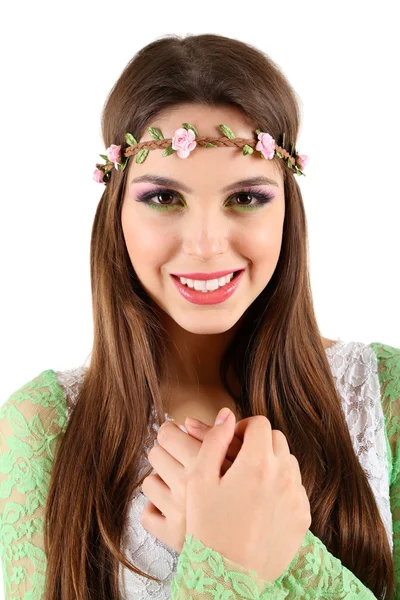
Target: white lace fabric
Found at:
x=25, y=466
x=355, y=371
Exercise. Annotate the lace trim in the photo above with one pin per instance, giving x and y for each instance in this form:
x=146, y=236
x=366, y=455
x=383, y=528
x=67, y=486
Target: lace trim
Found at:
x=313, y=573
x=31, y=420
x=354, y=367
x=204, y=573
x=28, y=435
x=389, y=377
x=355, y=371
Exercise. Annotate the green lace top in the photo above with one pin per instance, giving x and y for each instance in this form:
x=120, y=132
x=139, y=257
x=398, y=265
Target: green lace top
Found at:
x=34, y=416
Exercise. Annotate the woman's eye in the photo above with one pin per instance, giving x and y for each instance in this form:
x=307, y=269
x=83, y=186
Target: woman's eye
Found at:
x=163, y=200
x=240, y=201
x=246, y=200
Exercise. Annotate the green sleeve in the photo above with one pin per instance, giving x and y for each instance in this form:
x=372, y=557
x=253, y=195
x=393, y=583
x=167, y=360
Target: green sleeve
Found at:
x=389, y=378
x=31, y=420
x=314, y=572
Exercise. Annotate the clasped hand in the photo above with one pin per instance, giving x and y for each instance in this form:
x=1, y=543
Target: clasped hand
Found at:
x=164, y=515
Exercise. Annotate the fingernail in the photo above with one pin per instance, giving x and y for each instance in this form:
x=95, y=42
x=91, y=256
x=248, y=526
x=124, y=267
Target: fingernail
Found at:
x=195, y=423
x=222, y=416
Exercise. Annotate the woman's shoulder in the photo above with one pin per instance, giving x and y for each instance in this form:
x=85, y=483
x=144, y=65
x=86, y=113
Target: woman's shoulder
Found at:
x=366, y=365
x=70, y=381
x=388, y=374
x=31, y=420
x=388, y=362
x=367, y=376
x=382, y=354
x=389, y=356
x=42, y=401
x=42, y=390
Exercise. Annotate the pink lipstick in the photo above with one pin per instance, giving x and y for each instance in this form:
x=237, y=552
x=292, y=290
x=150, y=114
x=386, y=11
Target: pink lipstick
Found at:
x=215, y=297
x=204, y=276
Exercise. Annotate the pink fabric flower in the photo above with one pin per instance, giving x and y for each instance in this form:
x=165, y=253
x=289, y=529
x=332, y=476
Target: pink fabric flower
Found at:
x=266, y=145
x=98, y=176
x=113, y=153
x=302, y=161
x=183, y=141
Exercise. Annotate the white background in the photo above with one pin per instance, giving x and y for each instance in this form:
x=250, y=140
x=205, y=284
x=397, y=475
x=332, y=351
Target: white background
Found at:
x=59, y=62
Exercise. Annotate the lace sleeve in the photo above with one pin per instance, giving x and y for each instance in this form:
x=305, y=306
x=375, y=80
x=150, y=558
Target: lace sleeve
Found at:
x=314, y=572
x=30, y=421
x=389, y=378
x=203, y=573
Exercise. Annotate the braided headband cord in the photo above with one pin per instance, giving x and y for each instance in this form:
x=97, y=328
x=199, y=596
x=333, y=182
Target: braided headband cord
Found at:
x=185, y=139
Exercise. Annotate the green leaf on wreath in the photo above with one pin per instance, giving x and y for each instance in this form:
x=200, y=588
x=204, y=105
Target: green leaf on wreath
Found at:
x=210, y=145
x=130, y=139
x=189, y=126
x=168, y=150
x=258, y=131
x=155, y=133
x=104, y=156
x=247, y=149
x=278, y=154
x=141, y=155
x=227, y=131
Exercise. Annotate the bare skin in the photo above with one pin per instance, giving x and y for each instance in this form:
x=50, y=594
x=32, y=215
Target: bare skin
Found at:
x=202, y=230
x=269, y=511
x=205, y=403
x=266, y=536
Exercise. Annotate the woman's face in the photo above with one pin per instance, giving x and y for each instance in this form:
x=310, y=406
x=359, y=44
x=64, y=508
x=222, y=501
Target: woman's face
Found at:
x=201, y=226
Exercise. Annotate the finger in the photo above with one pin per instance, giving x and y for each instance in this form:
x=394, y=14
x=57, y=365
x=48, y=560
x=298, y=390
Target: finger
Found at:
x=183, y=447
x=168, y=468
x=213, y=450
x=227, y=462
x=152, y=520
x=256, y=433
x=157, y=491
x=199, y=434
x=279, y=443
x=242, y=427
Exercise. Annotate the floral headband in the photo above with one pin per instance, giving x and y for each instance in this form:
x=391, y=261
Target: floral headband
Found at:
x=184, y=141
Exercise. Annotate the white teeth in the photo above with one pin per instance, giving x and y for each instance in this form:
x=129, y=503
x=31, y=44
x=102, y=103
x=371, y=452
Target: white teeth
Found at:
x=200, y=285
x=208, y=285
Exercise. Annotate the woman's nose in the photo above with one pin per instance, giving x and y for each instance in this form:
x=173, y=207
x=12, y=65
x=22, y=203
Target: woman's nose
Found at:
x=205, y=239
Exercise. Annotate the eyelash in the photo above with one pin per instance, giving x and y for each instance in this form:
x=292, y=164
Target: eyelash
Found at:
x=261, y=197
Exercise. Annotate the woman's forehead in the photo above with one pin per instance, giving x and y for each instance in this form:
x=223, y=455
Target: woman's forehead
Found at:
x=205, y=167
x=206, y=119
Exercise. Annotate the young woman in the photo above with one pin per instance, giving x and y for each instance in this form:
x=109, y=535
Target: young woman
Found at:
x=202, y=301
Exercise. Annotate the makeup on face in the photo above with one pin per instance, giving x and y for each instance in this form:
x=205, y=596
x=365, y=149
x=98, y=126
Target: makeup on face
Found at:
x=169, y=200
x=221, y=294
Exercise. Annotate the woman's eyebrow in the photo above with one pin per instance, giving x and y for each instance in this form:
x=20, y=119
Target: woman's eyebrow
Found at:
x=167, y=181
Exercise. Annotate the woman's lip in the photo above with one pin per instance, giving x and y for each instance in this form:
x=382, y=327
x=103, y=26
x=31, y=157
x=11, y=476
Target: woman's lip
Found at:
x=216, y=297
x=205, y=276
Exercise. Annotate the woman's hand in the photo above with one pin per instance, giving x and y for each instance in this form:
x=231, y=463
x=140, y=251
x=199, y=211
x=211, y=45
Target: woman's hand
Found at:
x=164, y=515
x=258, y=513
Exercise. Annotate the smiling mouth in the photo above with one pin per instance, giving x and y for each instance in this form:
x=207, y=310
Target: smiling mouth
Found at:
x=235, y=274
x=209, y=278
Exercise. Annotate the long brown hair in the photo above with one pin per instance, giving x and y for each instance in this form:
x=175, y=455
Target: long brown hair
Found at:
x=277, y=353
